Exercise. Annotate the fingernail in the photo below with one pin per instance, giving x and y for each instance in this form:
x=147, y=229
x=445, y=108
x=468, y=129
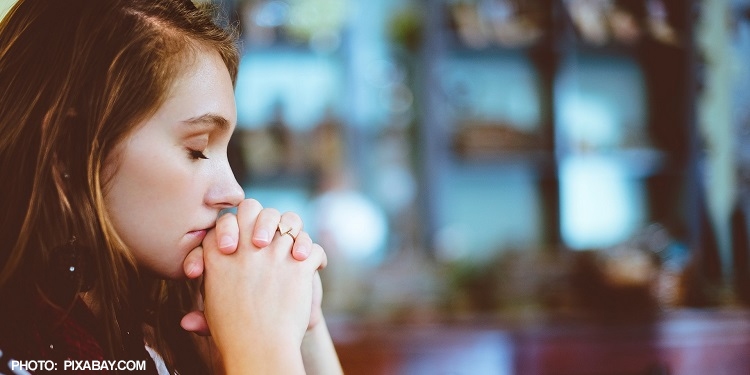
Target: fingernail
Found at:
x=261, y=235
x=303, y=251
x=226, y=242
x=191, y=269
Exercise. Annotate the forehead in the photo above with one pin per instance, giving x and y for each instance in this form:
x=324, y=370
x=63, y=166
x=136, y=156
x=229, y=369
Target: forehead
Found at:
x=201, y=95
x=202, y=92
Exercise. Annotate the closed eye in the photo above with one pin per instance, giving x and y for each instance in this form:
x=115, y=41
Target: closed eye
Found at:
x=195, y=154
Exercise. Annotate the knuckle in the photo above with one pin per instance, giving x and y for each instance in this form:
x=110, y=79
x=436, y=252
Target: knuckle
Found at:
x=317, y=249
x=249, y=203
x=270, y=212
x=226, y=221
x=293, y=216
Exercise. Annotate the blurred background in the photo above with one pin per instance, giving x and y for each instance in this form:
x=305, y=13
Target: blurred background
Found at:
x=511, y=187
x=508, y=186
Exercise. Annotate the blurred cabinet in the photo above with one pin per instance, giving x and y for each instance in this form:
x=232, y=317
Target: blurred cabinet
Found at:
x=485, y=125
x=556, y=122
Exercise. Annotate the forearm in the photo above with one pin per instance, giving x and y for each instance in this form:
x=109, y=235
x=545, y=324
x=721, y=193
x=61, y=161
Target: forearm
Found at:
x=318, y=353
x=264, y=359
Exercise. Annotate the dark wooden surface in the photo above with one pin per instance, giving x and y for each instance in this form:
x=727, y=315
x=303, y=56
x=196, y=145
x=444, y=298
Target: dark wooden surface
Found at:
x=676, y=343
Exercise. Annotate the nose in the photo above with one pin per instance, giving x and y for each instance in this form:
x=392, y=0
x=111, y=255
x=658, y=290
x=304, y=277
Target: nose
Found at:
x=225, y=191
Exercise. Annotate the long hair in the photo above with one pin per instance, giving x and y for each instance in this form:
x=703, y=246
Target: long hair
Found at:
x=76, y=77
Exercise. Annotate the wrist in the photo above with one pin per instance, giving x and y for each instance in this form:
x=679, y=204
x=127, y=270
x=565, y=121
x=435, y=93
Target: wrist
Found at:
x=263, y=357
x=318, y=351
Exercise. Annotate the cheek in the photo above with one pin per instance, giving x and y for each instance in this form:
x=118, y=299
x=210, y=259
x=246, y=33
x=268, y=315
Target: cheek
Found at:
x=146, y=198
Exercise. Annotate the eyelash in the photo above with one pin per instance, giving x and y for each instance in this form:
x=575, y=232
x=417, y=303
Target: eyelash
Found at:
x=195, y=154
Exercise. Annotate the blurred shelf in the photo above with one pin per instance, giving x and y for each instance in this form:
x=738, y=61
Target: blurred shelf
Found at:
x=303, y=180
x=535, y=163
x=494, y=27
x=636, y=162
x=455, y=48
x=492, y=156
x=611, y=49
x=482, y=139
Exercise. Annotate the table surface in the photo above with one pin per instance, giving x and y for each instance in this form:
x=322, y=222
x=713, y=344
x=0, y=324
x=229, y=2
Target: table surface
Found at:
x=681, y=342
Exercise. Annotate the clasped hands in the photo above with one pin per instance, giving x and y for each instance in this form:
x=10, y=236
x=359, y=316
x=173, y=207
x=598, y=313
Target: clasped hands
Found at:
x=259, y=271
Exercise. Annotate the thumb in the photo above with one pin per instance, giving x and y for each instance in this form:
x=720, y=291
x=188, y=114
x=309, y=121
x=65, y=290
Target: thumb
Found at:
x=195, y=322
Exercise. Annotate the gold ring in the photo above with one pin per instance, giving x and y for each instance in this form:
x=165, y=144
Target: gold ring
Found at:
x=289, y=232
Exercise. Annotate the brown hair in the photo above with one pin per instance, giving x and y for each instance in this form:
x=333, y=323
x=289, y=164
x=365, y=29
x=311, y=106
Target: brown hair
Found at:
x=76, y=76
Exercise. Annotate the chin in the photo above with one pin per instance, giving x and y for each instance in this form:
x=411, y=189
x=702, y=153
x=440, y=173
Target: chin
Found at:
x=175, y=275
x=166, y=273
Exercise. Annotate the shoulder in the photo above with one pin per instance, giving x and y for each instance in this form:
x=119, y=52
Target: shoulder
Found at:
x=161, y=367
x=40, y=332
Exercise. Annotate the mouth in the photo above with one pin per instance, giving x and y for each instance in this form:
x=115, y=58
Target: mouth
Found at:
x=198, y=235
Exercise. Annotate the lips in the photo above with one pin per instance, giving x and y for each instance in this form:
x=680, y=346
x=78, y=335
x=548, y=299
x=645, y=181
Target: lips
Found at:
x=197, y=237
x=201, y=232
x=198, y=233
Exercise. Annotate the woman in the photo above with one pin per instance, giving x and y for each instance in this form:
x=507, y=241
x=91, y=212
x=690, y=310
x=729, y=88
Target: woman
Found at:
x=115, y=117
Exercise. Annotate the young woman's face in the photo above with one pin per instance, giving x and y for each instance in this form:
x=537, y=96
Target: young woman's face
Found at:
x=170, y=177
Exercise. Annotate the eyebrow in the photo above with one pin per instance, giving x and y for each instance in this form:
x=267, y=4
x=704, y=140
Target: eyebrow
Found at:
x=209, y=119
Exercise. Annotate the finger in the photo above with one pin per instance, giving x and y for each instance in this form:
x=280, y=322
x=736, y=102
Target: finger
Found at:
x=195, y=322
x=318, y=257
x=316, y=313
x=302, y=246
x=210, y=251
x=193, y=263
x=290, y=224
x=227, y=233
x=247, y=214
x=265, y=226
